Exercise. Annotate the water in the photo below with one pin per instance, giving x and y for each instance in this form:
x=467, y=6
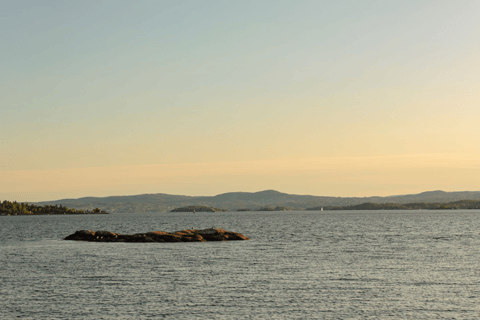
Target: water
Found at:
x=297, y=265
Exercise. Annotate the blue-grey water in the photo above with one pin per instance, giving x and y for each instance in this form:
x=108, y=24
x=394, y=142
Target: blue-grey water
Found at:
x=297, y=265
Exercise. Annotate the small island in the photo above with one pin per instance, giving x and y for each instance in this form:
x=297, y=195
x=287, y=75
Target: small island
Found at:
x=14, y=208
x=191, y=235
x=277, y=208
x=197, y=209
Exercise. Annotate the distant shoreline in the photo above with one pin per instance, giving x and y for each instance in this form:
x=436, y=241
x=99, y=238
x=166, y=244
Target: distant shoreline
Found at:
x=267, y=200
x=455, y=205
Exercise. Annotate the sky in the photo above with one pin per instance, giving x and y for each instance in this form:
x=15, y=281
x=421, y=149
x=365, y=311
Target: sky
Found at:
x=327, y=98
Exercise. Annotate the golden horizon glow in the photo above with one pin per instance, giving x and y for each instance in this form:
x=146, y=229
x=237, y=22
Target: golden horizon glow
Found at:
x=327, y=176
x=345, y=99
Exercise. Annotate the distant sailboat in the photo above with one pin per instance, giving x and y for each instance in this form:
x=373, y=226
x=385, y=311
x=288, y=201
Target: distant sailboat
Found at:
x=321, y=209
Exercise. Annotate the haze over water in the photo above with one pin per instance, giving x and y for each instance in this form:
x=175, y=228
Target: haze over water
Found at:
x=297, y=265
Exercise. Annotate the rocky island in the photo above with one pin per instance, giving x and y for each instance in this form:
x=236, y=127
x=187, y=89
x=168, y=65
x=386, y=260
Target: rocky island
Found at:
x=192, y=235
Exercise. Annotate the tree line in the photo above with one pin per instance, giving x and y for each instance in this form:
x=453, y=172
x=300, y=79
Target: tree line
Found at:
x=15, y=208
x=462, y=204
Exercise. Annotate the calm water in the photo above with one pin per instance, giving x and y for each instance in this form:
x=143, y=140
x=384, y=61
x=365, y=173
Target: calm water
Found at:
x=301, y=265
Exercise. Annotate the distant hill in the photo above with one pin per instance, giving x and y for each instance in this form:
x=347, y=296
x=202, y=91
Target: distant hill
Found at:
x=234, y=201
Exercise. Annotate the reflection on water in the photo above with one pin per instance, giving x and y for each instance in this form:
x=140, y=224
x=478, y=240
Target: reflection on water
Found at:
x=300, y=265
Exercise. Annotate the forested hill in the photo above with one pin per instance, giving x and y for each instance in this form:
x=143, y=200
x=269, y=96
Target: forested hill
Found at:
x=233, y=201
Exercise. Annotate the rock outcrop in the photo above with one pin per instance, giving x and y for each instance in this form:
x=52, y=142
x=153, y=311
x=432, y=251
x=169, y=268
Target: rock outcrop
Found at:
x=213, y=234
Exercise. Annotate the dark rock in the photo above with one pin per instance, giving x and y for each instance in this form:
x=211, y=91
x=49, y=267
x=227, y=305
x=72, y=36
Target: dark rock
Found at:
x=82, y=235
x=213, y=234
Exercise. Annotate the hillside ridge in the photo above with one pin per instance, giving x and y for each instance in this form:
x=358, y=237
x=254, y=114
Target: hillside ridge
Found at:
x=233, y=201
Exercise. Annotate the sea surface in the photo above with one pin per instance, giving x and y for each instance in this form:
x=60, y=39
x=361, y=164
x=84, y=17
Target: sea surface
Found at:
x=297, y=265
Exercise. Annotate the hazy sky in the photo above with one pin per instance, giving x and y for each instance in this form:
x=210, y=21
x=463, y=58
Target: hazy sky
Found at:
x=334, y=98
